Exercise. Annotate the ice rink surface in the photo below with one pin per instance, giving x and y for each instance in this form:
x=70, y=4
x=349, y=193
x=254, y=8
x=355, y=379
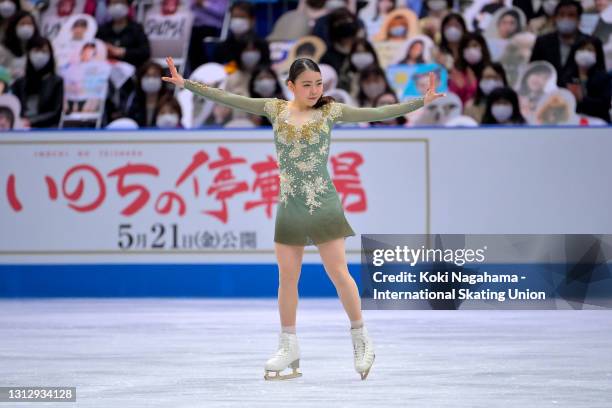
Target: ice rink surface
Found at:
x=210, y=353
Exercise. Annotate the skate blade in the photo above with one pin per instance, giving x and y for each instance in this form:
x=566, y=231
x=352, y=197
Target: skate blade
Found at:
x=279, y=377
x=364, y=374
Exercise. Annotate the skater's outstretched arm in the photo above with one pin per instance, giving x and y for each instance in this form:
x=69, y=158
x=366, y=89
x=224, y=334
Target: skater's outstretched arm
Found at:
x=251, y=105
x=352, y=114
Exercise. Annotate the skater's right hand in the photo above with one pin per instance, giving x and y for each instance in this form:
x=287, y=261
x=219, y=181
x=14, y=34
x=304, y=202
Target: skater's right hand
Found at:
x=176, y=78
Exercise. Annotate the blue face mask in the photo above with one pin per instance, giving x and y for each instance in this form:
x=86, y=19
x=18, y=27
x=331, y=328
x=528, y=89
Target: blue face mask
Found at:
x=566, y=25
x=398, y=31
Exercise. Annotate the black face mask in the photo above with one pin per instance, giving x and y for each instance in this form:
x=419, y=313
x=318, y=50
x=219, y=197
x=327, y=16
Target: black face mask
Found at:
x=344, y=30
x=315, y=4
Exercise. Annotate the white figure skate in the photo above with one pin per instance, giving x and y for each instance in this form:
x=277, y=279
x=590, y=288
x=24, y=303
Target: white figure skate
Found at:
x=287, y=355
x=363, y=351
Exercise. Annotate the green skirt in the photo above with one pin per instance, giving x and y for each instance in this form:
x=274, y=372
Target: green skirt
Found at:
x=295, y=225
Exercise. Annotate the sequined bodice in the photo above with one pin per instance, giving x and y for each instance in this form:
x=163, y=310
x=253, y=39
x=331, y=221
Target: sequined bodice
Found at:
x=302, y=153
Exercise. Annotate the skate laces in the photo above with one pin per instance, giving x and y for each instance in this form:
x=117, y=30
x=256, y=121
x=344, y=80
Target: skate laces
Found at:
x=283, y=346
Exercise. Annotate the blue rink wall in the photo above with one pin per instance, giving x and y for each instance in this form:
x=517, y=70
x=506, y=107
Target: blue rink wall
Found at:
x=159, y=280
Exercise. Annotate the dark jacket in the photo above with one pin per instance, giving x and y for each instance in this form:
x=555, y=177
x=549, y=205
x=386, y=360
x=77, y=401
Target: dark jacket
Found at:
x=547, y=48
x=132, y=38
x=50, y=102
x=596, y=101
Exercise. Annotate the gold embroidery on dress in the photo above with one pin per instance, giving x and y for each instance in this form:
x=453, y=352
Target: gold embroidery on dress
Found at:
x=286, y=186
x=312, y=189
x=323, y=148
x=309, y=165
x=309, y=130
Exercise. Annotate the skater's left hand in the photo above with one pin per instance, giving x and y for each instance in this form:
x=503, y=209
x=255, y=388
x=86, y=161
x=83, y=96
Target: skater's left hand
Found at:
x=431, y=94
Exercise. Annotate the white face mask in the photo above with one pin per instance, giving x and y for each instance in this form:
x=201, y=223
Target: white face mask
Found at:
x=549, y=7
x=437, y=5
x=473, y=55
x=265, y=87
x=452, y=34
x=150, y=84
x=501, y=112
x=239, y=25
x=39, y=59
x=372, y=90
x=566, y=25
x=118, y=10
x=334, y=4
x=250, y=58
x=362, y=59
x=7, y=9
x=25, y=32
x=487, y=85
x=585, y=58
x=167, y=120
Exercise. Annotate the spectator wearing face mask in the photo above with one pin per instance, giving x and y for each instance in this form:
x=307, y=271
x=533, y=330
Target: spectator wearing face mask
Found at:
x=556, y=47
x=362, y=56
x=8, y=8
x=342, y=30
x=322, y=25
x=168, y=114
x=40, y=91
x=372, y=83
x=473, y=56
x=252, y=53
x=149, y=91
x=125, y=39
x=19, y=30
x=502, y=108
x=264, y=84
x=492, y=77
x=451, y=30
x=241, y=28
x=585, y=76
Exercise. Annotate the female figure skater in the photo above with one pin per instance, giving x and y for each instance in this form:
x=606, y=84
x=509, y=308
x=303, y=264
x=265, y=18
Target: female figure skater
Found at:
x=309, y=211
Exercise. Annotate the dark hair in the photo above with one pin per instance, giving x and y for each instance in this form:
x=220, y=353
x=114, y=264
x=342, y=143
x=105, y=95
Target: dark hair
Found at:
x=259, y=44
x=571, y=68
x=306, y=64
x=369, y=71
x=462, y=64
x=509, y=95
x=6, y=111
x=570, y=3
x=497, y=67
x=34, y=77
x=447, y=19
x=278, y=91
x=341, y=24
x=168, y=100
x=362, y=42
x=11, y=41
x=400, y=120
x=244, y=6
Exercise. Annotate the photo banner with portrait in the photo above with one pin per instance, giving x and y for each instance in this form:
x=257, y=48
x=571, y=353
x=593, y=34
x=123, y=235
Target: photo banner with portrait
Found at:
x=168, y=29
x=57, y=14
x=411, y=81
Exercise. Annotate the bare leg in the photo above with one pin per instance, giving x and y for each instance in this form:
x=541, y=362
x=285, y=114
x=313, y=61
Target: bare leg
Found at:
x=289, y=267
x=334, y=259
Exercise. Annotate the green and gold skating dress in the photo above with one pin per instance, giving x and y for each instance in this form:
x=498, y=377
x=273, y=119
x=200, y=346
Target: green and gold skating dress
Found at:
x=309, y=210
